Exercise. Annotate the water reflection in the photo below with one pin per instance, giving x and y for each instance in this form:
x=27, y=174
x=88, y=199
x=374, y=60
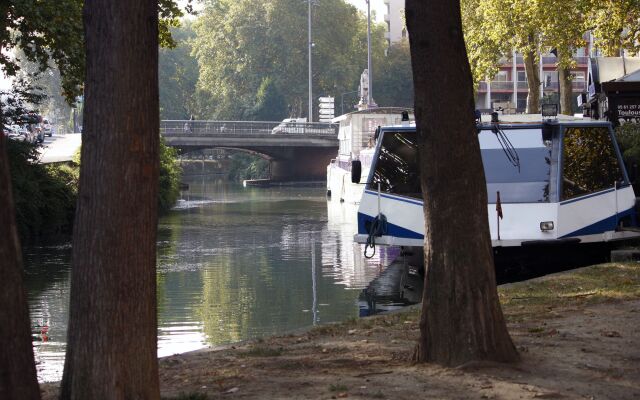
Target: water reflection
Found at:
x=47, y=281
x=233, y=263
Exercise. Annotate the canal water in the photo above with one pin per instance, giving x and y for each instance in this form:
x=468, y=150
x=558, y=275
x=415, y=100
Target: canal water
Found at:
x=234, y=263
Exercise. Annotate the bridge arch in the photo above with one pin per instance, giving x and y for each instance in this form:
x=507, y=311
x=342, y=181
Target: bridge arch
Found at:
x=302, y=153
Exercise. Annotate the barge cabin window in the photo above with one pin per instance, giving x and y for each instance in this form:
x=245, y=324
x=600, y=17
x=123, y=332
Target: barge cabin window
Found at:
x=528, y=183
x=589, y=161
x=396, y=167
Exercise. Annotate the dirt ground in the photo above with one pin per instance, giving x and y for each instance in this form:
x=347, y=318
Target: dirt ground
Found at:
x=577, y=334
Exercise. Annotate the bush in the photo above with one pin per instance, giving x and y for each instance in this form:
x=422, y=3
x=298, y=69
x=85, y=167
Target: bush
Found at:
x=628, y=135
x=44, y=196
x=170, y=171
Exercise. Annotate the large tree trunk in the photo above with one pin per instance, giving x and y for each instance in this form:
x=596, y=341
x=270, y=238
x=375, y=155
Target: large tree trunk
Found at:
x=461, y=316
x=18, y=379
x=112, y=339
x=566, y=91
x=532, y=70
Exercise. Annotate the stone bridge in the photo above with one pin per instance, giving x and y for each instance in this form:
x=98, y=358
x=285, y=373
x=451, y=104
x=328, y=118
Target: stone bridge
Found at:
x=296, y=151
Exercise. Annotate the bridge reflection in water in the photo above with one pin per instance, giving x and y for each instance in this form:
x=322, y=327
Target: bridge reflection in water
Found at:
x=296, y=151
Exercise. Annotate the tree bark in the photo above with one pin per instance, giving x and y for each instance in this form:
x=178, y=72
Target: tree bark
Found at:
x=533, y=80
x=566, y=91
x=18, y=378
x=461, y=316
x=112, y=335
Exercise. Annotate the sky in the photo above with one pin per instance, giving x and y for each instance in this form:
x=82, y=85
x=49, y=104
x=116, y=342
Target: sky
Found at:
x=377, y=6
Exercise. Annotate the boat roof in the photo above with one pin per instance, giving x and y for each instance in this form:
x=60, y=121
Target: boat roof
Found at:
x=519, y=121
x=534, y=118
x=376, y=110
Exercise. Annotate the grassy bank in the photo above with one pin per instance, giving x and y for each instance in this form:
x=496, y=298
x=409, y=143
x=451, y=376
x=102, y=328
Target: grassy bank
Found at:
x=604, y=283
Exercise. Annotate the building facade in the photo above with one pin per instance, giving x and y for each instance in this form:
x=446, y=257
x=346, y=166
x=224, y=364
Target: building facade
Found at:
x=509, y=88
x=394, y=20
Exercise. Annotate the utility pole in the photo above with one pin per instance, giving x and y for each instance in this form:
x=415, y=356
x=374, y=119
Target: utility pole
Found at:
x=370, y=102
x=310, y=75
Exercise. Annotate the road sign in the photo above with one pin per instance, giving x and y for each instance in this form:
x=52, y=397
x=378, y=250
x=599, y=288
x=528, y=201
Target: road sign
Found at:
x=325, y=108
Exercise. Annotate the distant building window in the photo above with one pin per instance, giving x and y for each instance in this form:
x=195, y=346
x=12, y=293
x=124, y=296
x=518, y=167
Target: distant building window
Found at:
x=522, y=76
x=578, y=76
x=501, y=76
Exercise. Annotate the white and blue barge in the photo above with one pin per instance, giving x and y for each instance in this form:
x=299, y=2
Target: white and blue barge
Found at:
x=554, y=187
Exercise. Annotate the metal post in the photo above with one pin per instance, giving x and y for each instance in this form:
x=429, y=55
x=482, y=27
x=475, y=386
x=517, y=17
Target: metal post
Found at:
x=370, y=102
x=314, y=307
x=310, y=75
x=514, y=74
x=541, y=66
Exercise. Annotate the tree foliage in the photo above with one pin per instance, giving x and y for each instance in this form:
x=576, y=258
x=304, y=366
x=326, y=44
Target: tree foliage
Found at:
x=616, y=25
x=178, y=75
x=394, y=87
x=44, y=196
x=45, y=30
x=270, y=104
x=494, y=27
x=51, y=30
x=240, y=45
x=169, y=179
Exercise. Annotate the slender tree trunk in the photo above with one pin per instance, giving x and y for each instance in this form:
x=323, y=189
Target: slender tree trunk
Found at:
x=112, y=337
x=461, y=316
x=566, y=91
x=18, y=379
x=533, y=80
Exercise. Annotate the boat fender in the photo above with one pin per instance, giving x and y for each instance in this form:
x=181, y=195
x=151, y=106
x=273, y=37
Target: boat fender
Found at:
x=356, y=171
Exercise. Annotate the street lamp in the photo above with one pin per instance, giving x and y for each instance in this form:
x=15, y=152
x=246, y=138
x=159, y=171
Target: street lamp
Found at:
x=310, y=44
x=370, y=102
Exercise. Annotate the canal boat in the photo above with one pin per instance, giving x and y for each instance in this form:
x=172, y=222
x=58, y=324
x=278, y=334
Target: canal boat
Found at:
x=356, y=137
x=555, y=186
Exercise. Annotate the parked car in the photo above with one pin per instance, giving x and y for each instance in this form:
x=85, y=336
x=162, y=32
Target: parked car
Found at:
x=13, y=132
x=290, y=125
x=47, y=129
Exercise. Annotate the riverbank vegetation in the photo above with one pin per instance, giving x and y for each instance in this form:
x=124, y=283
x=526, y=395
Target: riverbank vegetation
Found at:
x=628, y=135
x=170, y=172
x=45, y=195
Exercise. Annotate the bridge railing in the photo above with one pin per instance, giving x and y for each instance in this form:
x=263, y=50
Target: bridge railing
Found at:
x=207, y=128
